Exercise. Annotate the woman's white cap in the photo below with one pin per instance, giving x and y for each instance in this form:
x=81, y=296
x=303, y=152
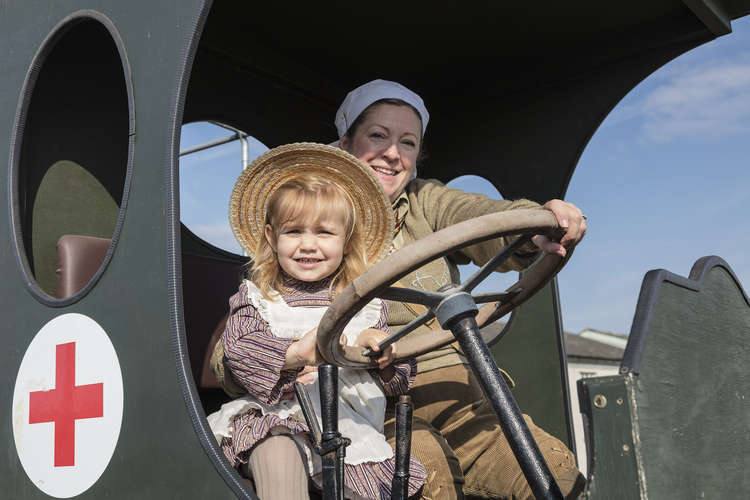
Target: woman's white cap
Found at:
x=360, y=98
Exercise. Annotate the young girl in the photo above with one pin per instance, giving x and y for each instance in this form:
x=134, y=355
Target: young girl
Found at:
x=313, y=219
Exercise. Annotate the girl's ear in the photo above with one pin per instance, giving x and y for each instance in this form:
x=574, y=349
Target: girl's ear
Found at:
x=268, y=231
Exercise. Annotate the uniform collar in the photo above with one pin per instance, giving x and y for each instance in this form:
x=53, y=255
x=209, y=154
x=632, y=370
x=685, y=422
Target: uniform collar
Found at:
x=400, y=209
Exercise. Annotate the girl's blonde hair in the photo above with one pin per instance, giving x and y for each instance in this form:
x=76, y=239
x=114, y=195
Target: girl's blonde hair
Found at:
x=311, y=196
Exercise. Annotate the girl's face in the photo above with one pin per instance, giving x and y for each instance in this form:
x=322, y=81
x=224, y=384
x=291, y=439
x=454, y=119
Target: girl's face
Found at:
x=388, y=140
x=309, y=249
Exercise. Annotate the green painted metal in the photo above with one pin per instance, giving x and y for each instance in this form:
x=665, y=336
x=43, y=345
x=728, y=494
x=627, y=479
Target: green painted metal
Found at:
x=694, y=397
x=608, y=404
x=158, y=454
x=676, y=424
x=529, y=353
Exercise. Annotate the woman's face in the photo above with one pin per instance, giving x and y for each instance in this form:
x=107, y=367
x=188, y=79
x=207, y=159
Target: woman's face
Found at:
x=388, y=139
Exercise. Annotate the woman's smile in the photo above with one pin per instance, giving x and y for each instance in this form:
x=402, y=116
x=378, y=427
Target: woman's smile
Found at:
x=384, y=170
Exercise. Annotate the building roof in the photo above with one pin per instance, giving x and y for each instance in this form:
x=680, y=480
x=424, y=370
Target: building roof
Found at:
x=581, y=348
x=610, y=338
x=589, y=345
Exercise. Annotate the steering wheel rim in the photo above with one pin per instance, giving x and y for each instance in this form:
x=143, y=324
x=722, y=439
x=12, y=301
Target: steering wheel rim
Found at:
x=380, y=276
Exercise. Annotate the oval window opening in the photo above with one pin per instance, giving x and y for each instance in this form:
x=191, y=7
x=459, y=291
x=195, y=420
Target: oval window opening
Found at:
x=496, y=281
x=73, y=162
x=212, y=156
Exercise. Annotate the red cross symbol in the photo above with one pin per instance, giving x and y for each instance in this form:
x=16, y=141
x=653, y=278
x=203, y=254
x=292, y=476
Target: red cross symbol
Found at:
x=65, y=404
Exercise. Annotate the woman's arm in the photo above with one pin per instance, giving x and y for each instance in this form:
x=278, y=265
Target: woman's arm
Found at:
x=255, y=357
x=438, y=206
x=442, y=206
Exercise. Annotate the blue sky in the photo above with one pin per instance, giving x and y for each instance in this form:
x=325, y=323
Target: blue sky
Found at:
x=664, y=181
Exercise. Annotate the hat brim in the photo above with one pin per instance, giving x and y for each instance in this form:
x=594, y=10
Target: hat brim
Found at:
x=249, y=200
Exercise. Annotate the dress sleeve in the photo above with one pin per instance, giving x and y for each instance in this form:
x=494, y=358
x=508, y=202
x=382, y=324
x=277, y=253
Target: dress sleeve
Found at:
x=405, y=369
x=253, y=354
x=443, y=206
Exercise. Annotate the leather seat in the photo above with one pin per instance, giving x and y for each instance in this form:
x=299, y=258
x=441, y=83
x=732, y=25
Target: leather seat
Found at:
x=78, y=259
x=207, y=283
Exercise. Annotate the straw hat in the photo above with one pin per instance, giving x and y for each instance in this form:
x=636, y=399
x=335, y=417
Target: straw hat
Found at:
x=249, y=201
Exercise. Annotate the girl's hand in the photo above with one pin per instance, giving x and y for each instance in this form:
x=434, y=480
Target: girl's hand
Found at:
x=303, y=352
x=370, y=338
x=307, y=375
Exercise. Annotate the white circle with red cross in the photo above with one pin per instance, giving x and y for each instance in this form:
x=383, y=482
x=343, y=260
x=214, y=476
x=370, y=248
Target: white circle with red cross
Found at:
x=67, y=405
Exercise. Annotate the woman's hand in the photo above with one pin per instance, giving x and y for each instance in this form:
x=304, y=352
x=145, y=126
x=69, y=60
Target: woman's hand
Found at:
x=303, y=352
x=570, y=218
x=370, y=338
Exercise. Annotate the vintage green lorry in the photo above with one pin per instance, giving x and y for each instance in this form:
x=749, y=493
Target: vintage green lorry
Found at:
x=110, y=305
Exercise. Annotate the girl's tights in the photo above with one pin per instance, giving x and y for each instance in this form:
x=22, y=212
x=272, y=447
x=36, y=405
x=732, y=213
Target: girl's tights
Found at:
x=278, y=469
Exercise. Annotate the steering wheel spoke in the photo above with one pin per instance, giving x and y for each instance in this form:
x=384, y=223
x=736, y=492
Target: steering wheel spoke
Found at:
x=487, y=269
x=401, y=333
x=500, y=297
x=412, y=296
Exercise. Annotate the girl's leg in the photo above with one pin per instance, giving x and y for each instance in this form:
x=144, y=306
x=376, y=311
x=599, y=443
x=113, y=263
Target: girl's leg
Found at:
x=278, y=469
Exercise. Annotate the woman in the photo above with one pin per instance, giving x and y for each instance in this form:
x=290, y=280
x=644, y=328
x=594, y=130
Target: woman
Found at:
x=456, y=434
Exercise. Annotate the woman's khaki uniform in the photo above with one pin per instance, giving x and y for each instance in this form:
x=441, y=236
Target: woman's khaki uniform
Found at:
x=456, y=434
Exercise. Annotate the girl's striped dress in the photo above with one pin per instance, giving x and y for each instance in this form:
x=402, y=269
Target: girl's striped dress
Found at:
x=254, y=356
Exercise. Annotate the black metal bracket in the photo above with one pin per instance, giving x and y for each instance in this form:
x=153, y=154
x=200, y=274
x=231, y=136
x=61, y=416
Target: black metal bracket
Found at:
x=400, y=483
x=320, y=446
x=328, y=443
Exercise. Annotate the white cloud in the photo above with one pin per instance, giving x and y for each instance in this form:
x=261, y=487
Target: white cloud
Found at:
x=703, y=101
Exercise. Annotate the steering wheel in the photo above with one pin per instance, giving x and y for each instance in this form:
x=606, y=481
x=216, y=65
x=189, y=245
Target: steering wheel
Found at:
x=446, y=305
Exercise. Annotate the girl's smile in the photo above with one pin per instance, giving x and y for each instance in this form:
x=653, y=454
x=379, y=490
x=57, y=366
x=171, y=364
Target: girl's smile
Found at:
x=307, y=261
x=307, y=249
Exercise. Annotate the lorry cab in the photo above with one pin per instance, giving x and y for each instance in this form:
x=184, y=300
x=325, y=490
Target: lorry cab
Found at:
x=102, y=280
